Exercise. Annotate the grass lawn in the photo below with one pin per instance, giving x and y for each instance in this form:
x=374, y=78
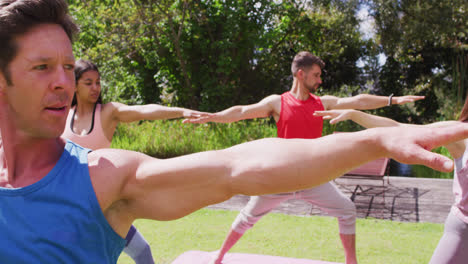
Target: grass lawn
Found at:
x=378, y=241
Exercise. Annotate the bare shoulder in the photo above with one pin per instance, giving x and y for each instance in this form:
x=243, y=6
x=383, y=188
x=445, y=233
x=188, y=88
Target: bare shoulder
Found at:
x=329, y=97
x=110, y=110
x=111, y=106
x=118, y=157
x=272, y=98
x=273, y=101
x=329, y=101
x=109, y=170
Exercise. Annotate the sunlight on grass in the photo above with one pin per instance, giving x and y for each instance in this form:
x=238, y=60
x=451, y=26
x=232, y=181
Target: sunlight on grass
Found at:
x=316, y=237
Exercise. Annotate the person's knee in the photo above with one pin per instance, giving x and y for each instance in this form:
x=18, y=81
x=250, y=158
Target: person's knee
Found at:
x=347, y=228
x=243, y=223
x=242, y=226
x=349, y=209
x=347, y=219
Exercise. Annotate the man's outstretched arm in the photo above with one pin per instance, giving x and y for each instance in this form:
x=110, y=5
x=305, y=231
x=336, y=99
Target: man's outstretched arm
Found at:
x=172, y=188
x=265, y=108
x=366, y=101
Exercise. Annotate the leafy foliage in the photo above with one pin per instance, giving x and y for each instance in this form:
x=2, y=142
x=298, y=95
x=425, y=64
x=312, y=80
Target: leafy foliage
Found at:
x=427, y=44
x=212, y=54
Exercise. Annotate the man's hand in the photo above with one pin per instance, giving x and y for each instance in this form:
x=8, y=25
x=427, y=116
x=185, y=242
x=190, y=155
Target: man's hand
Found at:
x=200, y=119
x=194, y=115
x=406, y=99
x=413, y=145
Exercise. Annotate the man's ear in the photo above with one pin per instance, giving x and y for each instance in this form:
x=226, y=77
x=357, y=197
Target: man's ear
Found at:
x=3, y=84
x=300, y=74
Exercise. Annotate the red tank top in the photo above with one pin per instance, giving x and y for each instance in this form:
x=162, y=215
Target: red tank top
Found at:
x=296, y=118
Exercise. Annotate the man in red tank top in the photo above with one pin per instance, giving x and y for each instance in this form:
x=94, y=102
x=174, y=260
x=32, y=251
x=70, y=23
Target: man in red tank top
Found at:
x=293, y=112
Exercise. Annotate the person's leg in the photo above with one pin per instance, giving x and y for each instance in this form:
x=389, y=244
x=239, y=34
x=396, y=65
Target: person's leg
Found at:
x=137, y=247
x=453, y=246
x=256, y=208
x=230, y=240
x=332, y=201
x=349, y=245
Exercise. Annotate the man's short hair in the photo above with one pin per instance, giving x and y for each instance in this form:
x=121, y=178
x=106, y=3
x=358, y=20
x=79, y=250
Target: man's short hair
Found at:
x=17, y=17
x=304, y=60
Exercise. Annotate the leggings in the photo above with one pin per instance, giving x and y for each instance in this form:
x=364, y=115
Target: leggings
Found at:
x=453, y=246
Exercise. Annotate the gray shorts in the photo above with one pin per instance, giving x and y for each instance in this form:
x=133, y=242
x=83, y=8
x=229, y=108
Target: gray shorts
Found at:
x=326, y=196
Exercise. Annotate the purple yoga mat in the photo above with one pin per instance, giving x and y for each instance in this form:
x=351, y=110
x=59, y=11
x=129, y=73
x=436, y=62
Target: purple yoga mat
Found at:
x=202, y=257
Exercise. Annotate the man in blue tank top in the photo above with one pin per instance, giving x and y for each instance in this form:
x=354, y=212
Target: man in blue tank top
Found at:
x=60, y=203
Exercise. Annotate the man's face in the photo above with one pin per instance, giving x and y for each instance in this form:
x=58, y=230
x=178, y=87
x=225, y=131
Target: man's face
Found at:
x=43, y=82
x=312, y=78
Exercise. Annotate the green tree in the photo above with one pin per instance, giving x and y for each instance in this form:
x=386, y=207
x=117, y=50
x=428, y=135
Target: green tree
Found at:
x=429, y=41
x=210, y=54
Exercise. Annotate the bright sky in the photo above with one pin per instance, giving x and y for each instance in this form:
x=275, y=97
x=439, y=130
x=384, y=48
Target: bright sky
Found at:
x=367, y=25
x=367, y=28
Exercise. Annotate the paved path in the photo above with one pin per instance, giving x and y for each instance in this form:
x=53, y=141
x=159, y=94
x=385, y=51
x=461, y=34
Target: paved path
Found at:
x=402, y=199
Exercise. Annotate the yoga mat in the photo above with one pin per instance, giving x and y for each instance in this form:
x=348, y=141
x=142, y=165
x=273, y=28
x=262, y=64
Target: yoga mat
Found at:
x=202, y=257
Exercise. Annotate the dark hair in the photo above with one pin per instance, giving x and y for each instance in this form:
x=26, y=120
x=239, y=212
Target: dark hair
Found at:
x=464, y=112
x=17, y=17
x=82, y=66
x=304, y=60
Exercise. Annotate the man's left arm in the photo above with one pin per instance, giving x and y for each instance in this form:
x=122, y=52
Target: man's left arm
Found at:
x=366, y=101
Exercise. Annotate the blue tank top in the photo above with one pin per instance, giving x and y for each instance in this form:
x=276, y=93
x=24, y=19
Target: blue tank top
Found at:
x=57, y=219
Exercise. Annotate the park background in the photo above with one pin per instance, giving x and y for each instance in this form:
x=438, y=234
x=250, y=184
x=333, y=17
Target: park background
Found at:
x=212, y=54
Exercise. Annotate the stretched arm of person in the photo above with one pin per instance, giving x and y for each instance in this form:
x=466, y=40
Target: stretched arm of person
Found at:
x=365, y=101
x=172, y=188
x=364, y=119
x=265, y=108
x=132, y=113
x=368, y=120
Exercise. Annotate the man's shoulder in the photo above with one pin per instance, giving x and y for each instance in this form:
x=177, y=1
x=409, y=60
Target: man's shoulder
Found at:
x=115, y=156
x=114, y=163
x=328, y=101
x=273, y=100
x=274, y=96
x=327, y=97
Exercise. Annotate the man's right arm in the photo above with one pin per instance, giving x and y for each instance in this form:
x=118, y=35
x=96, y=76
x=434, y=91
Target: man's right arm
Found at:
x=144, y=187
x=269, y=106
